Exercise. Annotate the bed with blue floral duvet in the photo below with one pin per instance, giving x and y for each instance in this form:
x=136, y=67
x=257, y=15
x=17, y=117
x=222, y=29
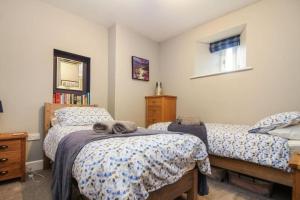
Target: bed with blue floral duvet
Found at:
x=124, y=168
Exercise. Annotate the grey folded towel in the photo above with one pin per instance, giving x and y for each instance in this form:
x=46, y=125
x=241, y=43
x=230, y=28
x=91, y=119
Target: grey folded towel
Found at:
x=122, y=127
x=104, y=126
x=188, y=121
x=115, y=127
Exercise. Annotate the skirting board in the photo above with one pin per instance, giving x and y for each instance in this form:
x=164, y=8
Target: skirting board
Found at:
x=34, y=165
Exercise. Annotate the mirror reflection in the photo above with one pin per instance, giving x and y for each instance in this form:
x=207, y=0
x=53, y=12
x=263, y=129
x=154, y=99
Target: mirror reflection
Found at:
x=69, y=74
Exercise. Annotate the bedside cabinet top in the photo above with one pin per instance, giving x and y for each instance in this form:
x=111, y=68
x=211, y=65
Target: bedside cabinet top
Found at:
x=10, y=136
x=160, y=96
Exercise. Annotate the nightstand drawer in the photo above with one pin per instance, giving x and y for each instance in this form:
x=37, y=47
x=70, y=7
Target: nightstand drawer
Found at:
x=154, y=111
x=152, y=120
x=155, y=117
x=10, y=172
x=154, y=102
x=12, y=155
x=10, y=145
x=10, y=158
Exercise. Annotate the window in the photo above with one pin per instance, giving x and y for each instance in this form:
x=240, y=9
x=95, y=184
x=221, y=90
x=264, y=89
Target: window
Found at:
x=220, y=53
x=230, y=59
x=229, y=53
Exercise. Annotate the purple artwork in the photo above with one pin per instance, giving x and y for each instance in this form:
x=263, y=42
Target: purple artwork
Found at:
x=140, y=69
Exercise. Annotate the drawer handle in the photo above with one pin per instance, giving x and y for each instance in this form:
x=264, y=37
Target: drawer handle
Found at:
x=2, y=173
x=3, y=147
x=3, y=160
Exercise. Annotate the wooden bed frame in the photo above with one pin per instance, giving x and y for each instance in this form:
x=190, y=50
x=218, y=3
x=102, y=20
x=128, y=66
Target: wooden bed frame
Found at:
x=262, y=172
x=187, y=184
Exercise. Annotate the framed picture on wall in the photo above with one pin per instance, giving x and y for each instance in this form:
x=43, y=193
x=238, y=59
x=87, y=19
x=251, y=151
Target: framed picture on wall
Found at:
x=140, y=68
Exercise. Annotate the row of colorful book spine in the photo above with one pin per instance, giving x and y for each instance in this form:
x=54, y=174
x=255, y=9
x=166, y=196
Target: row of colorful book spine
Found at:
x=65, y=98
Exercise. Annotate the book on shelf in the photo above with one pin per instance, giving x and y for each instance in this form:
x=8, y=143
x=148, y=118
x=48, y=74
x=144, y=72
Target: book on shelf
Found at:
x=66, y=98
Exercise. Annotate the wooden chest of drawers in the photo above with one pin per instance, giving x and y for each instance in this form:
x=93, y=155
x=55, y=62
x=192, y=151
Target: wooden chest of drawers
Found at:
x=12, y=155
x=160, y=109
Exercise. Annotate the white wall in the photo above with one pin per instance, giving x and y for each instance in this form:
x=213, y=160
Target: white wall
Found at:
x=273, y=48
x=205, y=61
x=112, y=47
x=129, y=95
x=29, y=31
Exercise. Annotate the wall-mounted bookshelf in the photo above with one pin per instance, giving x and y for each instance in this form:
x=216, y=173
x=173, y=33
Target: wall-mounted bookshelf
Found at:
x=66, y=98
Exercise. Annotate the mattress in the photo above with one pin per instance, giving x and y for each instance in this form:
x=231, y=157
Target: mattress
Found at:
x=131, y=167
x=234, y=141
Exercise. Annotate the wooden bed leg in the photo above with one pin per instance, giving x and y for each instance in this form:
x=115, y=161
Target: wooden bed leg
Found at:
x=193, y=192
x=295, y=164
x=46, y=164
x=296, y=185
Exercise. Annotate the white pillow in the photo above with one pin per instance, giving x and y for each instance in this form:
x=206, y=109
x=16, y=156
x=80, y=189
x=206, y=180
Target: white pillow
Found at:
x=54, y=121
x=291, y=133
x=279, y=120
x=81, y=116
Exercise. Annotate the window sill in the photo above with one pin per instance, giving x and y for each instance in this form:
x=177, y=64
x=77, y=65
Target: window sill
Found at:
x=220, y=73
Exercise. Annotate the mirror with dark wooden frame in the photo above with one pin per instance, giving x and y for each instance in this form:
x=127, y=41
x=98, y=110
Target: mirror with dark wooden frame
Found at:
x=71, y=73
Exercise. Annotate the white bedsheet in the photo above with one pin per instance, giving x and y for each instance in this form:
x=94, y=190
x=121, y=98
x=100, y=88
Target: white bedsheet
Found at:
x=130, y=168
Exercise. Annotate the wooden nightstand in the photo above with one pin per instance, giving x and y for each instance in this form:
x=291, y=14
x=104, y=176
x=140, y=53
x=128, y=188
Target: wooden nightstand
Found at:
x=160, y=109
x=12, y=155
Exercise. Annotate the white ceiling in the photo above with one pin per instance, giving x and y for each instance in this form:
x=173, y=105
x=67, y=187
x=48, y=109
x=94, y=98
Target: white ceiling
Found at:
x=157, y=19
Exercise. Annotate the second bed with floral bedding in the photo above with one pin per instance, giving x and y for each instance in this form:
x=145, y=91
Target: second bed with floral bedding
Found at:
x=234, y=141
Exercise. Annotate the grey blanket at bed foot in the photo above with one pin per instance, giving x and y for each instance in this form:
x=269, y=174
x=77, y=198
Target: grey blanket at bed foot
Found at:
x=198, y=130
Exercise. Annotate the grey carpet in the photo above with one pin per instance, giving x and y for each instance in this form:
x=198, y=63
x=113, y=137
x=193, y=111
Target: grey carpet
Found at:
x=39, y=189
